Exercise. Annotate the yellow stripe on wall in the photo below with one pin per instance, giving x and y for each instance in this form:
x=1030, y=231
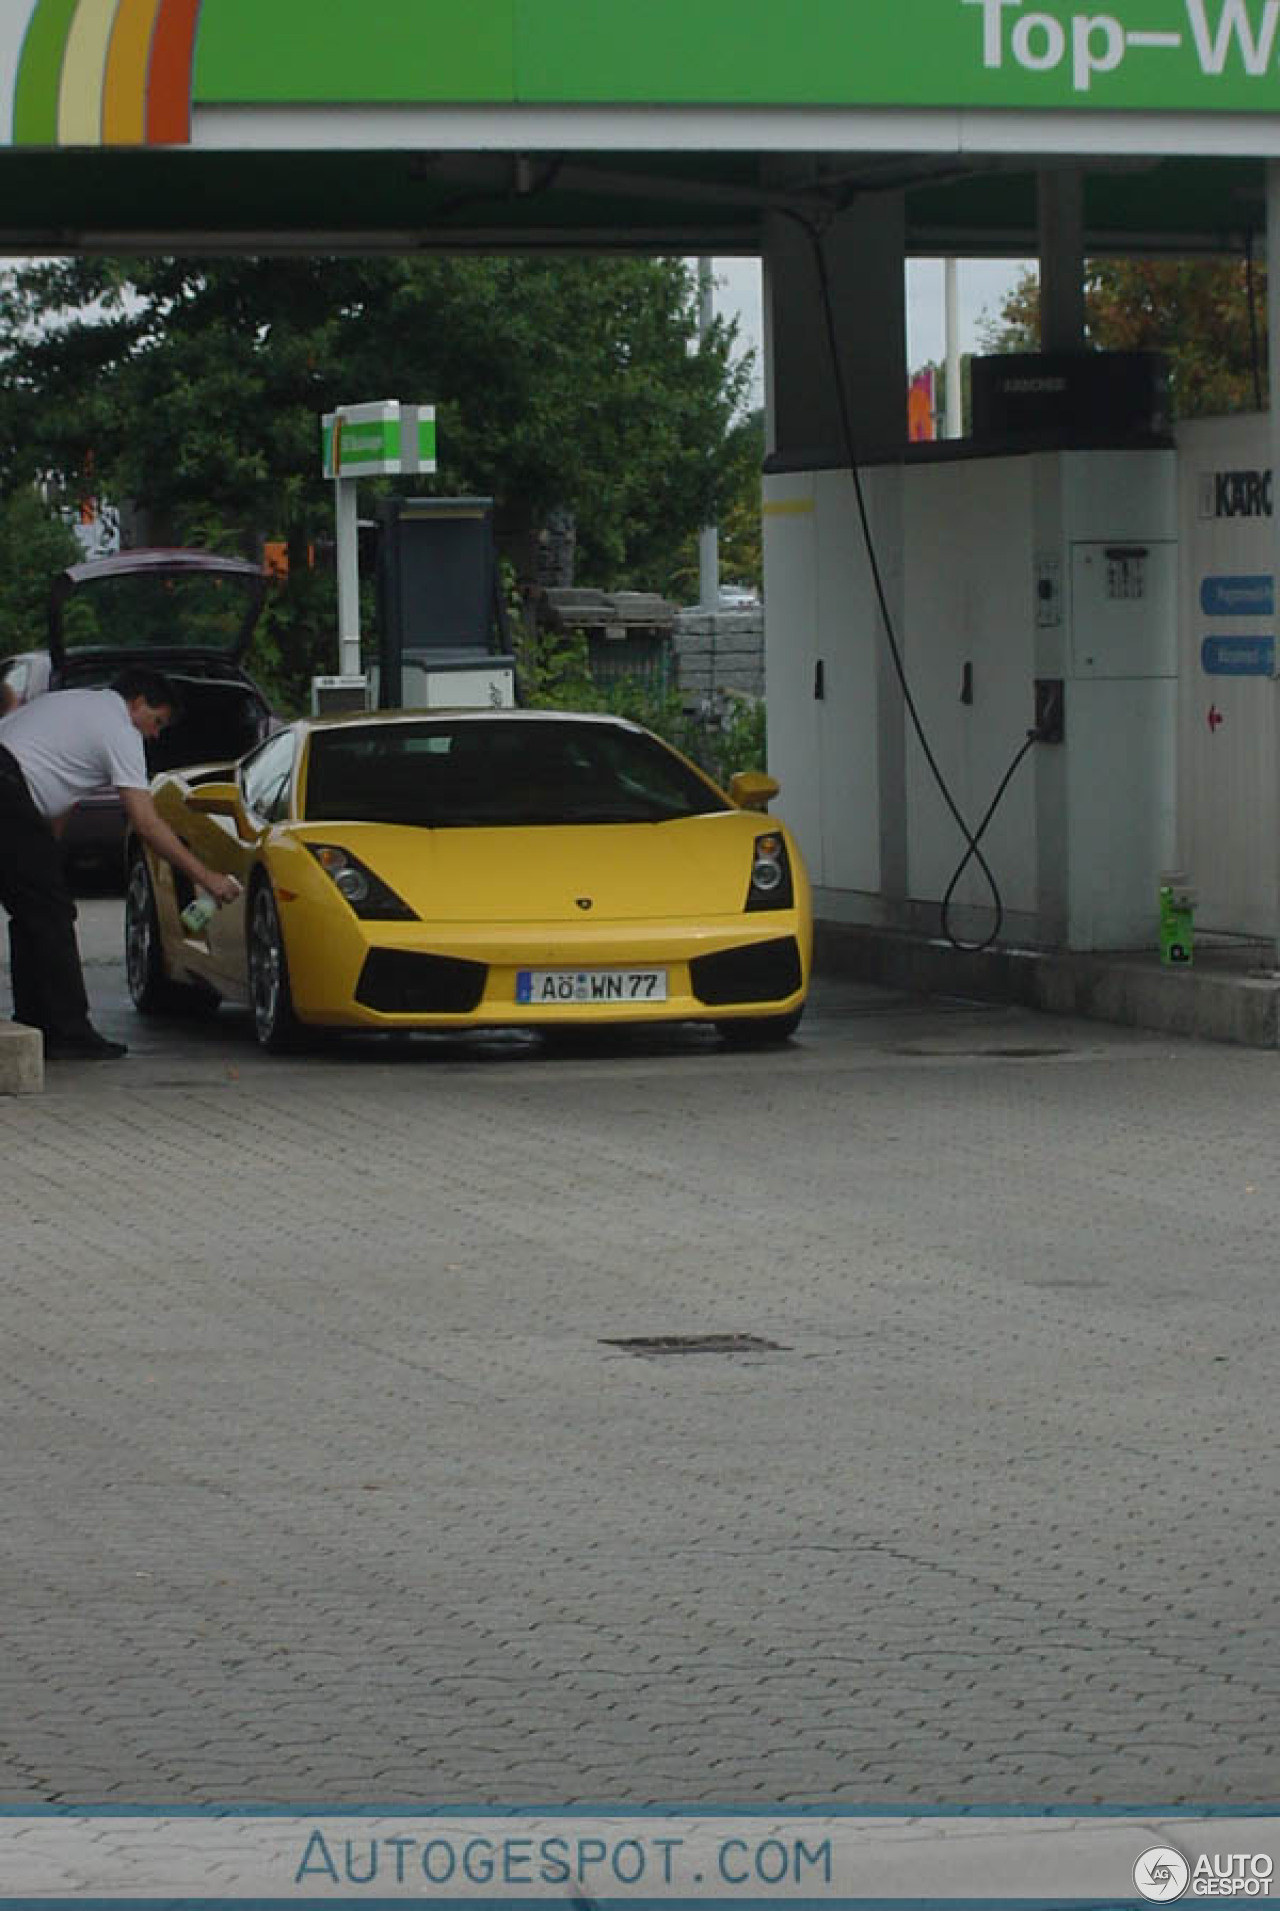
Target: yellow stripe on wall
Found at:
x=80, y=93
x=789, y=508
x=124, y=95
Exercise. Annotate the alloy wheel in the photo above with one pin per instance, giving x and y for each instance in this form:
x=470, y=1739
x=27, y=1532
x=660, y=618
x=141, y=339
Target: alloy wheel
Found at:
x=266, y=966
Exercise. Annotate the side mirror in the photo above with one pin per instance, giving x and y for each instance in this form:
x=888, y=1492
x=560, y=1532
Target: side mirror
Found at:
x=752, y=789
x=221, y=799
x=215, y=799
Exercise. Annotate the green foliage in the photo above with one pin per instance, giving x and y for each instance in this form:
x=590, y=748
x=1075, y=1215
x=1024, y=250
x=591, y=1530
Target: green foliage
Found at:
x=296, y=637
x=738, y=518
x=555, y=675
x=554, y=671
x=34, y=546
x=1206, y=315
x=725, y=738
x=195, y=388
x=740, y=739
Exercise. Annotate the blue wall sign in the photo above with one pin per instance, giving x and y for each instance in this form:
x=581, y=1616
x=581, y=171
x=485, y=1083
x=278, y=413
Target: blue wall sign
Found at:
x=1238, y=656
x=1237, y=597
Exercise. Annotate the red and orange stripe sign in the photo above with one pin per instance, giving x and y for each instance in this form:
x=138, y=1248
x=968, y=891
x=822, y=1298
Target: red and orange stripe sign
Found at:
x=106, y=73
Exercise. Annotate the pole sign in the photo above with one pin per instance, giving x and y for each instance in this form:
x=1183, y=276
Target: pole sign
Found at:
x=381, y=439
x=377, y=440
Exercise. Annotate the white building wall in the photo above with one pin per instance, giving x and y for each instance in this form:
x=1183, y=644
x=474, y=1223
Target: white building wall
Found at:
x=965, y=547
x=823, y=638
x=969, y=598
x=1227, y=781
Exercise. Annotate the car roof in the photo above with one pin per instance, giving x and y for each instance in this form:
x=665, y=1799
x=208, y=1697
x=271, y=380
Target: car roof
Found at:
x=345, y=719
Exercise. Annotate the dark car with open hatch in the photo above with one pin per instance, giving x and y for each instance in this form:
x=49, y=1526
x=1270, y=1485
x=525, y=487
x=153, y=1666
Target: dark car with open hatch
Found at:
x=188, y=613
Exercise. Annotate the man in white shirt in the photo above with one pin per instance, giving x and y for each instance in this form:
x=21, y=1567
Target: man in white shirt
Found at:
x=53, y=751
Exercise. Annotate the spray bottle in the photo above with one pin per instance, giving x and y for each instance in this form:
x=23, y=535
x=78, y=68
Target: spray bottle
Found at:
x=198, y=914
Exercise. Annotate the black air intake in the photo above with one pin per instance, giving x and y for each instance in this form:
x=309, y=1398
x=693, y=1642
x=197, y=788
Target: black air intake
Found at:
x=401, y=982
x=758, y=972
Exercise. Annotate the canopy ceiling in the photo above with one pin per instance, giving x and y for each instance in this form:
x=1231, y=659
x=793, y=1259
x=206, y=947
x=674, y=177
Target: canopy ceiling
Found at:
x=690, y=202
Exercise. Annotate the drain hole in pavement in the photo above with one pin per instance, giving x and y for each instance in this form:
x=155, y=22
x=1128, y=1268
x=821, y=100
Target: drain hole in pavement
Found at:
x=1002, y=1054
x=1022, y=1054
x=697, y=1344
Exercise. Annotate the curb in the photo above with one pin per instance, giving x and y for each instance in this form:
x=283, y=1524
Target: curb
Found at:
x=21, y=1059
x=1216, y=1004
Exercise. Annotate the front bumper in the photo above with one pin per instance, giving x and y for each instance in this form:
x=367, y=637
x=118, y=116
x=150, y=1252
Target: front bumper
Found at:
x=349, y=973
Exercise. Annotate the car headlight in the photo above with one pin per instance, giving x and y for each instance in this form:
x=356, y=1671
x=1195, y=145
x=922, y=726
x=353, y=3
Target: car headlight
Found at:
x=356, y=883
x=770, y=886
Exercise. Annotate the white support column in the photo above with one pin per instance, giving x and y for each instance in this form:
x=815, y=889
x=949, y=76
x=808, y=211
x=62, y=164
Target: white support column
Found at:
x=348, y=564
x=836, y=734
x=709, y=536
x=863, y=251
x=1061, y=215
x=953, y=423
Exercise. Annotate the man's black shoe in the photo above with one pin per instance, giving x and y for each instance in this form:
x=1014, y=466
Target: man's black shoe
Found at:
x=82, y=1048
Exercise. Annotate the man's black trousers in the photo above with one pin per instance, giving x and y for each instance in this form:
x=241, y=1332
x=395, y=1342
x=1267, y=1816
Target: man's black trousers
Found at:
x=48, y=982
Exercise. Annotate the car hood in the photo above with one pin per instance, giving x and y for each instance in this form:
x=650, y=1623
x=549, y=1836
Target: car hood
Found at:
x=615, y=872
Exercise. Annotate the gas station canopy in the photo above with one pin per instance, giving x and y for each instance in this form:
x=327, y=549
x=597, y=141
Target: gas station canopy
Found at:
x=674, y=126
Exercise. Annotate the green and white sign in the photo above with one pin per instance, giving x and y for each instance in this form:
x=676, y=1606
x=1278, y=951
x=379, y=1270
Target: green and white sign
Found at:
x=162, y=72
x=380, y=439
x=1123, y=55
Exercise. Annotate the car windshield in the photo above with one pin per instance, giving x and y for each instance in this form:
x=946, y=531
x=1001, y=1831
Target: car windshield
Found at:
x=151, y=611
x=443, y=774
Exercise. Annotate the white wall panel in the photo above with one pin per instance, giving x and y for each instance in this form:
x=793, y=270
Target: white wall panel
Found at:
x=1227, y=772
x=791, y=649
x=849, y=637
x=969, y=598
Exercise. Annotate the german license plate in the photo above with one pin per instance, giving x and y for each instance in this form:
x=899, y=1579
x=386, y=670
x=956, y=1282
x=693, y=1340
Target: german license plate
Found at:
x=547, y=987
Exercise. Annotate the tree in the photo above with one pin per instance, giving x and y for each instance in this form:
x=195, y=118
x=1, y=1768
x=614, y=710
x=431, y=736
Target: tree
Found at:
x=35, y=545
x=739, y=505
x=1202, y=314
x=196, y=388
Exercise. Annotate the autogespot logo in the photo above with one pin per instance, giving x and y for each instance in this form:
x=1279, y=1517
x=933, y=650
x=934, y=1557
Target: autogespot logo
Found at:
x=1162, y=1874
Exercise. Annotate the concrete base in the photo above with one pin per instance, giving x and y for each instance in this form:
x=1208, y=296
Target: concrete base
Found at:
x=1231, y=994
x=21, y=1059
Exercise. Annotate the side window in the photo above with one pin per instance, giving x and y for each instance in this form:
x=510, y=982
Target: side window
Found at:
x=267, y=777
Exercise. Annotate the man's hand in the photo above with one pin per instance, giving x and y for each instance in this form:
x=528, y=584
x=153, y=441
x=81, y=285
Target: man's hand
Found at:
x=141, y=812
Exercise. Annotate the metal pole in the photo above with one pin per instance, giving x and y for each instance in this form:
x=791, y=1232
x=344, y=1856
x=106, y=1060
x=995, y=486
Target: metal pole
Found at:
x=954, y=416
x=348, y=563
x=708, y=537
x=1273, y=347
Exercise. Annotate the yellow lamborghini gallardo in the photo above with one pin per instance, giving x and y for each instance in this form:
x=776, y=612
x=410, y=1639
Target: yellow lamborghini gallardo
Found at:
x=466, y=869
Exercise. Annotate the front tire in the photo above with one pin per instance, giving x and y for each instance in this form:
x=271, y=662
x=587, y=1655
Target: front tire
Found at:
x=274, y=1024
x=151, y=990
x=149, y=986
x=761, y=1030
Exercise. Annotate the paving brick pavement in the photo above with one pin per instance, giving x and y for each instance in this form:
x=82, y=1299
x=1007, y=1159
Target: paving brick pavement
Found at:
x=323, y=1482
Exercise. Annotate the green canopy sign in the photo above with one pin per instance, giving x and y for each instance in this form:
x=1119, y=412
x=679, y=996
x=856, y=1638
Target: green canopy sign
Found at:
x=139, y=72
x=1170, y=55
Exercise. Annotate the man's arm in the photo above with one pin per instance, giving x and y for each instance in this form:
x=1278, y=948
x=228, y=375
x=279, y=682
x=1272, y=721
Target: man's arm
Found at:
x=141, y=812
